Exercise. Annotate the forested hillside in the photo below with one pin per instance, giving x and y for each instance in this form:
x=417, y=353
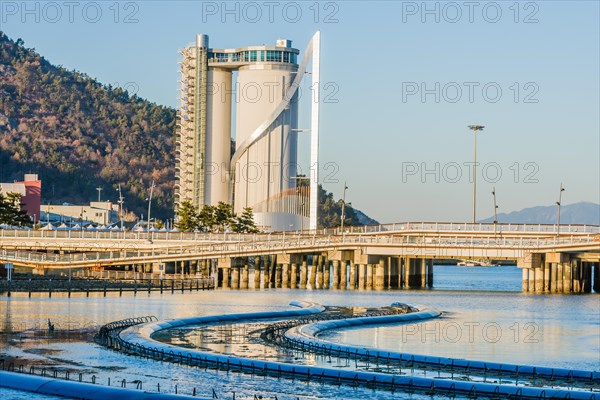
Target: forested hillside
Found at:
x=78, y=134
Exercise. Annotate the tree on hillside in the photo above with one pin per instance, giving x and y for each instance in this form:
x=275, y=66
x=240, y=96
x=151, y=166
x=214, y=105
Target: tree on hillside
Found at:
x=11, y=212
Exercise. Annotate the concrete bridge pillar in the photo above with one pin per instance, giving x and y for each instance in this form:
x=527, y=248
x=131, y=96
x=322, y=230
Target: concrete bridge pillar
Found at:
x=245, y=275
x=525, y=281
x=406, y=269
x=257, y=272
x=343, y=274
x=413, y=273
x=303, y=275
x=335, y=281
x=423, y=271
x=278, y=273
x=294, y=276
x=369, y=281
x=326, y=274
x=319, y=283
x=539, y=279
x=380, y=275
x=224, y=265
x=352, y=276
x=362, y=272
x=567, y=284
x=547, y=277
x=587, y=277
x=311, y=276
x=596, y=285
x=235, y=278
x=285, y=276
x=559, y=278
x=430, y=273
x=576, y=276
x=266, y=272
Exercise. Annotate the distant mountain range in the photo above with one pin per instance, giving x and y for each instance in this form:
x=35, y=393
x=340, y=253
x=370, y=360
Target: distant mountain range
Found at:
x=578, y=213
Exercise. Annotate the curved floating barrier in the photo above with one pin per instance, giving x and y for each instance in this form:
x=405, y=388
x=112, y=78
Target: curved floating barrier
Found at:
x=305, y=337
x=138, y=340
x=78, y=390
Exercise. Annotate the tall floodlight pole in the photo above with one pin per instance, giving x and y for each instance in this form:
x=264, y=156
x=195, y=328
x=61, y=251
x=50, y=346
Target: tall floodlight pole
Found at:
x=121, y=201
x=150, y=204
x=475, y=128
x=99, y=189
x=495, y=209
x=562, y=189
x=343, y=208
x=314, y=131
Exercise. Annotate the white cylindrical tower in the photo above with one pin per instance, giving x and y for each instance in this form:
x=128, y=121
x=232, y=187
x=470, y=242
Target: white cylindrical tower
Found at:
x=218, y=137
x=267, y=170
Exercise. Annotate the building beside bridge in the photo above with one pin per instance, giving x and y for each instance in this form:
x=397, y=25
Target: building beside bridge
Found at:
x=97, y=212
x=30, y=189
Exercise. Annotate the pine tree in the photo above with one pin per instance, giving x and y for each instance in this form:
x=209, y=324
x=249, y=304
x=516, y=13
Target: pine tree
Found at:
x=244, y=223
x=188, y=218
x=11, y=212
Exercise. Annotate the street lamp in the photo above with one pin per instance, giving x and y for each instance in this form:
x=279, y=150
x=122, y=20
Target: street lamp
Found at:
x=99, y=189
x=121, y=201
x=343, y=208
x=150, y=204
x=495, y=208
x=562, y=189
x=475, y=128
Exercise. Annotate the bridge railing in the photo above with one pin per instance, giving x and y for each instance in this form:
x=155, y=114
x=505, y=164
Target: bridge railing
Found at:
x=402, y=227
x=299, y=243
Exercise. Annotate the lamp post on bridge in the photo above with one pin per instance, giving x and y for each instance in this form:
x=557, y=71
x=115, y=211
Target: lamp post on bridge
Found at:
x=558, y=203
x=121, y=201
x=343, y=209
x=475, y=128
x=495, y=208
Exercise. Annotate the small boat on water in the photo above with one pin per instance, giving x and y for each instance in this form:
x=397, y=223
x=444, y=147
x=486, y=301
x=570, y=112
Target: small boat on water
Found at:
x=477, y=263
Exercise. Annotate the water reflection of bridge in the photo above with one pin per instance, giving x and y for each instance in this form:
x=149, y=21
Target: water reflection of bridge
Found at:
x=380, y=257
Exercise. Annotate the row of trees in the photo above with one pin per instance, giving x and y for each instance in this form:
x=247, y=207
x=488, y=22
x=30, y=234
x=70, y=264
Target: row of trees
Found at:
x=11, y=212
x=219, y=218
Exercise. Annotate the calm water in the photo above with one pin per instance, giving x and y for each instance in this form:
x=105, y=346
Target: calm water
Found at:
x=497, y=324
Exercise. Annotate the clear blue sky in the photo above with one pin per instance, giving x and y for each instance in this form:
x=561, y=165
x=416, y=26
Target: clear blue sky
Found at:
x=381, y=133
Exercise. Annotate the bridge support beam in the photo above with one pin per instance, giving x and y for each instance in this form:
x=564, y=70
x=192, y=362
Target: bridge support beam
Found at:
x=303, y=275
x=326, y=274
x=369, y=282
x=319, y=272
x=379, y=275
x=245, y=277
x=312, y=276
x=430, y=273
x=575, y=276
x=294, y=276
x=343, y=274
x=278, y=275
x=224, y=265
x=285, y=276
x=235, y=278
x=352, y=277
x=335, y=274
x=596, y=277
x=586, y=277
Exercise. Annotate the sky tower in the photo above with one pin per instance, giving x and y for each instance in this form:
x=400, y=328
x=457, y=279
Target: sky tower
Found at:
x=261, y=171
